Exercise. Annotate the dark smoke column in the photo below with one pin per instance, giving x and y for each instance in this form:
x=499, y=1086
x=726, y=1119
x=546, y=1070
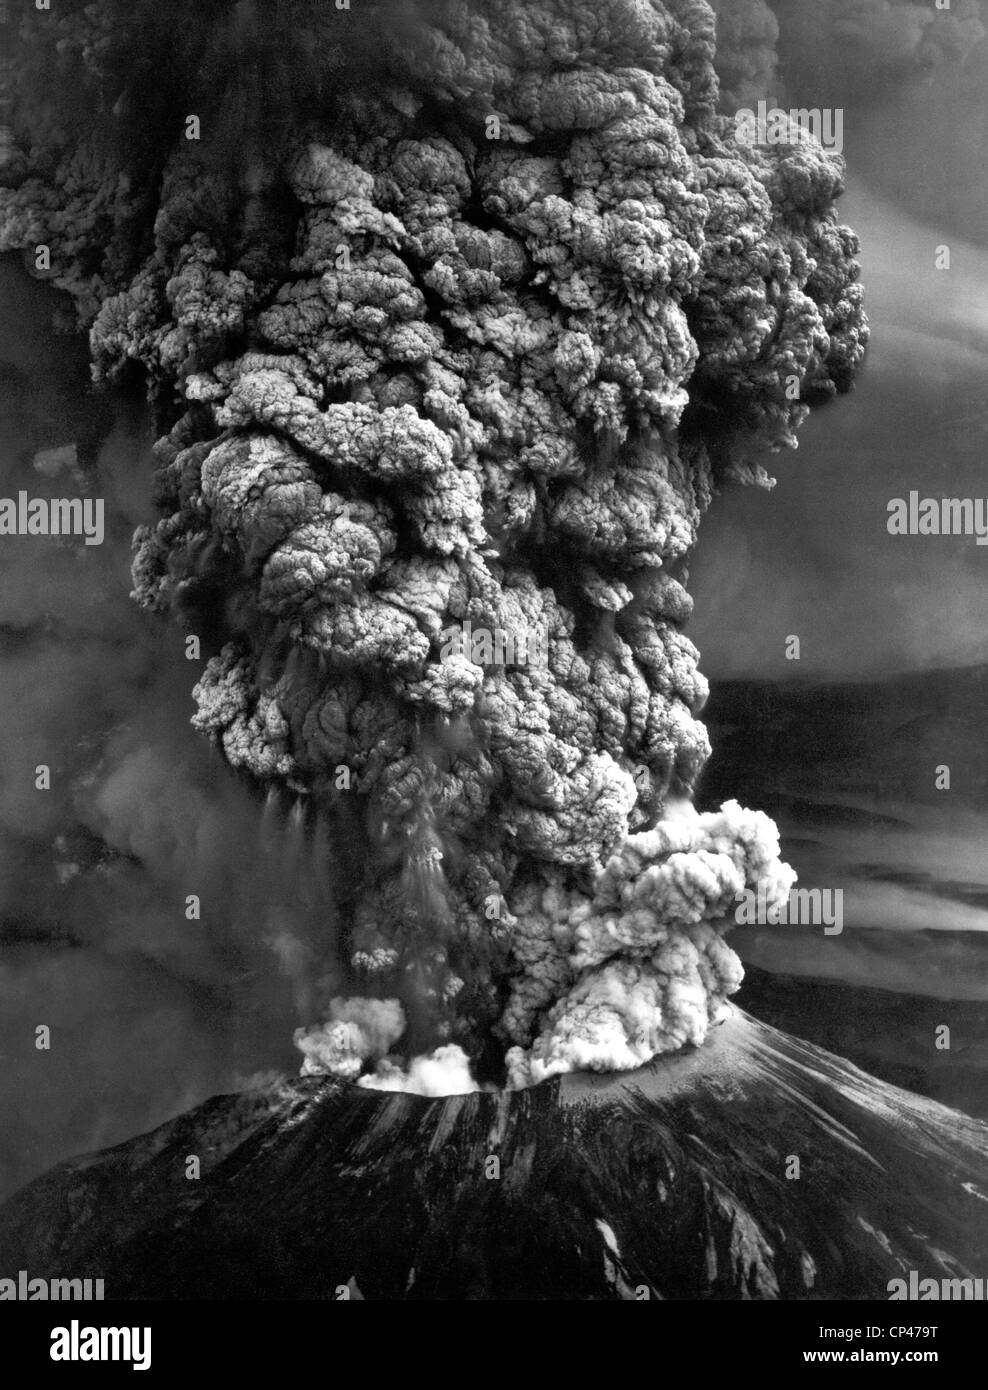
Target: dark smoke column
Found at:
x=454, y=314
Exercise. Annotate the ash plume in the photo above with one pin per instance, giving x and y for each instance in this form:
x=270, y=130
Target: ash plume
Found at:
x=451, y=314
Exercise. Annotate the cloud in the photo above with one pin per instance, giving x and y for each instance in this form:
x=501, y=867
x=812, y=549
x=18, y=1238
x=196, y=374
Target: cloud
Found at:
x=358, y=1030
x=472, y=341
x=444, y=1072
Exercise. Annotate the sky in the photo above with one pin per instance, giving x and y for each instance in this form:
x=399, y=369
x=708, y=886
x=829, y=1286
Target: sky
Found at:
x=813, y=558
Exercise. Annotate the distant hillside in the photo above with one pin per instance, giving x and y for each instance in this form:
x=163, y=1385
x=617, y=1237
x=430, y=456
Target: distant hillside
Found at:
x=778, y=742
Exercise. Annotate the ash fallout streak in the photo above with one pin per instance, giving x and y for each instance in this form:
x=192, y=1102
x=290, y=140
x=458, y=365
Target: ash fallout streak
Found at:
x=461, y=322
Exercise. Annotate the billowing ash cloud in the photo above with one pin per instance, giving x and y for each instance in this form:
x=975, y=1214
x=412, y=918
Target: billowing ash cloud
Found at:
x=453, y=316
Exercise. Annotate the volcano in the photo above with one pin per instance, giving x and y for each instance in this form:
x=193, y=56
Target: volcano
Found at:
x=669, y=1183
x=452, y=319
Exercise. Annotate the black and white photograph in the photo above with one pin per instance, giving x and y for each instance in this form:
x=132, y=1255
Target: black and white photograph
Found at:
x=494, y=665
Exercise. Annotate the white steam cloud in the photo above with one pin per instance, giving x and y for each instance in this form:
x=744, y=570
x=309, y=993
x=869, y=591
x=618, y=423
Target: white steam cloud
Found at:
x=358, y=1031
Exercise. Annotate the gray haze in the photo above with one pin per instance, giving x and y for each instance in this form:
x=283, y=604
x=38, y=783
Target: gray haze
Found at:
x=814, y=558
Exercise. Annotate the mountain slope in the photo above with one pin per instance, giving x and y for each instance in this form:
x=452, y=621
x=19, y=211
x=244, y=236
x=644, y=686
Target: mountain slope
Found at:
x=671, y=1180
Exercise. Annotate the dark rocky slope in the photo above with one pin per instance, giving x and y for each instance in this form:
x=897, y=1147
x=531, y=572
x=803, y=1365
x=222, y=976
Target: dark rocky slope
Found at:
x=671, y=1180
